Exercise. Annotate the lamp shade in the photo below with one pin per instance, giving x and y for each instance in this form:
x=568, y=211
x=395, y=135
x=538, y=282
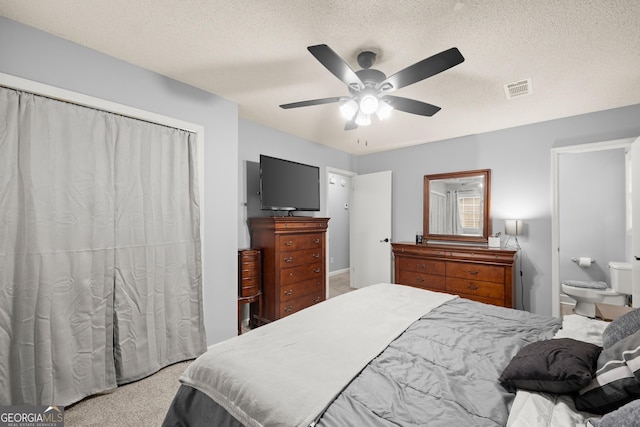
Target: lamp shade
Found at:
x=363, y=119
x=513, y=227
x=349, y=109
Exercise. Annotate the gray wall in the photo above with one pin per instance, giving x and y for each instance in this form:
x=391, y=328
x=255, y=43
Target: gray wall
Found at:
x=519, y=159
x=592, y=216
x=339, y=190
x=255, y=139
x=35, y=55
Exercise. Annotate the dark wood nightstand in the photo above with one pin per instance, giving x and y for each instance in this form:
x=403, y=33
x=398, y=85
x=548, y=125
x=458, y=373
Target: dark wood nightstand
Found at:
x=249, y=282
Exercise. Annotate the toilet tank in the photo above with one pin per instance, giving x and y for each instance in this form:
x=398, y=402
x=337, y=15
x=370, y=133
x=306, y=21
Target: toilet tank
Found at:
x=620, y=277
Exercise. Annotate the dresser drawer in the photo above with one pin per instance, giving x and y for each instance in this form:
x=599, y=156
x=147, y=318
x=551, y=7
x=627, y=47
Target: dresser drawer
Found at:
x=422, y=265
x=249, y=269
x=297, y=304
x=300, y=241
x=249, y=255
x=418, y=250
x=249, y=286
x=295, y=290
x=493, y=301
x=421, y=280
x=300, y=273
x=475, y=287
x=300, y=257
x=485, y=273
x=483, y=256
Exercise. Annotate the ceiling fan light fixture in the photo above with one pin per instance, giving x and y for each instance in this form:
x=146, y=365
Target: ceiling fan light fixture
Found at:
x=369, y=104
x=384, y=110
x=349, y=109
x=363, y=119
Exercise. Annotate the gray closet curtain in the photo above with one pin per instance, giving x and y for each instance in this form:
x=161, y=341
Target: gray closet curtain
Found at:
x=158, y=298
x=98, y=266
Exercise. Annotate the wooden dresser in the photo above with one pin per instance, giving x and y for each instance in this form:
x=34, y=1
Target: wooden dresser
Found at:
x=293, y=262
x=474, y=272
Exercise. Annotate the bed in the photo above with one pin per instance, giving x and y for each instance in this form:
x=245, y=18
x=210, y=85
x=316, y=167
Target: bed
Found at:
x=385, y=355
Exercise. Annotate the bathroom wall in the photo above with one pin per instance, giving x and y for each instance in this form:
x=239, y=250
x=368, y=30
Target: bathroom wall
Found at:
x=338, y=189
x=591, y=213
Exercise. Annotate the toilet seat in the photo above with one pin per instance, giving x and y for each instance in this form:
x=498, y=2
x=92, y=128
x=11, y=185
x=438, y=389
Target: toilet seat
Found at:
x=588, y=293
x=587, y=297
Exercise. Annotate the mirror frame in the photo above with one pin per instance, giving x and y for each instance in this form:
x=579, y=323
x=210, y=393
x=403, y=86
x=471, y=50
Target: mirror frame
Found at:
x=486, y=223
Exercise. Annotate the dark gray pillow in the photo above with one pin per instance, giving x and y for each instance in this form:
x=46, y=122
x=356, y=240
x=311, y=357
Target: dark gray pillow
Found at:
x=562, y=365
x=626, y=416
x=621, y=327
x=617, y=379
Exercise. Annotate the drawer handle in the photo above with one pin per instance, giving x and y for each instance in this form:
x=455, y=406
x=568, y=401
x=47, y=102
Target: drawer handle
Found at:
x=316, y=241
x=316, y=270
x=472, y=287
x=290, y=274
x=473, y=272
x=288, y=243
x=419, y=279
x=288, y=309
x=316, y=255
x=288, y=259
x=316, y=299
x=288, y=292
x=421, y=265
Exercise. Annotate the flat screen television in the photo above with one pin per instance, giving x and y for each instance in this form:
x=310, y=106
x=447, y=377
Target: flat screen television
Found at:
x=288, y=186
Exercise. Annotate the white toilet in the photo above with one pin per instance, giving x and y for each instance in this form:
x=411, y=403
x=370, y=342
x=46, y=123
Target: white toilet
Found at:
x=586, y=298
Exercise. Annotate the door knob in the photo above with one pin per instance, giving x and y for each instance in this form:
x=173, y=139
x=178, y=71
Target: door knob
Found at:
x=385, y=240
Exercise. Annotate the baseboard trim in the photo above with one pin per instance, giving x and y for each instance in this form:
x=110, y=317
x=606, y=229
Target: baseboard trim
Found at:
x=344, y=270
x=566, y=299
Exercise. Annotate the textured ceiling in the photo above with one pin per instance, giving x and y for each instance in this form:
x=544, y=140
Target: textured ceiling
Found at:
x=581, y=55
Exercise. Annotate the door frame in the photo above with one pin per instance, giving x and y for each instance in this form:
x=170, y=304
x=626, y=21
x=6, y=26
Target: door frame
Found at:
x=555, y=206
x=350, y=174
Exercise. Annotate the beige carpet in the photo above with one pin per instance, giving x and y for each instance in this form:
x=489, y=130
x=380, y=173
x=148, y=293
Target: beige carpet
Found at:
x=339, y=284
x=142, y=403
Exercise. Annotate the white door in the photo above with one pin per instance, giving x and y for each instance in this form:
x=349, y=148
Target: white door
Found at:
x=635, y=219
x=370, y=229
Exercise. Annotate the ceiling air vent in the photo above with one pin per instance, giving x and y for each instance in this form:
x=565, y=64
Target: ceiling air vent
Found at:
x=517, y=89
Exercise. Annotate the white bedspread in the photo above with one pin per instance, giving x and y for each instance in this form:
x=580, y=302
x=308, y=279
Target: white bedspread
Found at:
x=306, y=359
x=531, y=409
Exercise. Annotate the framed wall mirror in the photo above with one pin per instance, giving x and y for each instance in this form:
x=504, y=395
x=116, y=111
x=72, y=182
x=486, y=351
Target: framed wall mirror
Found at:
x=457, y=206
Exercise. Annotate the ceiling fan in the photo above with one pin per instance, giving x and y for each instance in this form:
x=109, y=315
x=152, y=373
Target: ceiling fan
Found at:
x=369, y=88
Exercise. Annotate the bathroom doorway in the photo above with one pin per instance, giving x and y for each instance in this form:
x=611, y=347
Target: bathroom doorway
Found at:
x=589, y=213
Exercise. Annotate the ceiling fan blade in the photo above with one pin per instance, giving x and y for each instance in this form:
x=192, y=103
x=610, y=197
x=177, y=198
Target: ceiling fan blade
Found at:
x=338, y=67
x=421, y=70
x=411, y=105
x=351, y=124
x=313, y=102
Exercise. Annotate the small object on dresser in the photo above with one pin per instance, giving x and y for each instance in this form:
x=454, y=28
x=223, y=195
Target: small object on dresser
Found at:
x=419, y=238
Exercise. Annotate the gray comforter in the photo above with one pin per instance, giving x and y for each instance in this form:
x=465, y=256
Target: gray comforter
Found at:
x=443, y=371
